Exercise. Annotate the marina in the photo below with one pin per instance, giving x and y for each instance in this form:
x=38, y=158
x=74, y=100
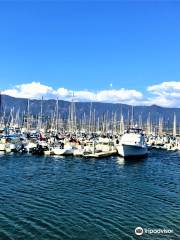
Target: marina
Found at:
x=132, y=141
x=104, y=178
x=89, y=120
x=91, y=135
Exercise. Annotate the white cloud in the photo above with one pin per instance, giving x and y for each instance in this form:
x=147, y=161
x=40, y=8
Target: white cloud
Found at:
x=113, y=96
x=29, y=90
x=63, y=92
x=165, y=87
x=165, y=94
x=120, y=95
x=85, y=96
x=36, y=90
x=160, y=101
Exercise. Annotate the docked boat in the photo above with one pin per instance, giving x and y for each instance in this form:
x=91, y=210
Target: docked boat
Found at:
x=2, y=146
x=30, y=146
x=132, y=144
x=63, y=150
x=41, y=148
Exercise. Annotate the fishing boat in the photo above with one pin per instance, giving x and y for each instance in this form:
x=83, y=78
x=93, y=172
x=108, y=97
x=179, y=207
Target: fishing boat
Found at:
x=132, y=144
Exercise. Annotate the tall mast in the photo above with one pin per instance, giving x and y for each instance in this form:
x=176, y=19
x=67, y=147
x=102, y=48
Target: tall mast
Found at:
x=115, y=123
x=149, y=124
x=140, y=121
x=1, y=112
x=107, y=124
x=90, y=114
x=174, y=126
x=128, y=118
x=0, y=104
x=28, y=111
x=160, y=126
x=41, y=112
x=73, y=115
x=121, y=124
x=94, y=120
x=132, y=117
x=98, y=125
x=57, y=114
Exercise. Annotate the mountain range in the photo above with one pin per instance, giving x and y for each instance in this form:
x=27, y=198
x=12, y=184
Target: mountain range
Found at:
x=49, y=106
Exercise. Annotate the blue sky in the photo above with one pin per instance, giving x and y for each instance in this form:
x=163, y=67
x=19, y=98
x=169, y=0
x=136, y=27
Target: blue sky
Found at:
x=90, y=45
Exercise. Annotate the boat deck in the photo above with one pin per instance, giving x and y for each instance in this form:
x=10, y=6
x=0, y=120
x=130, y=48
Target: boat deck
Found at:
x=101, y=154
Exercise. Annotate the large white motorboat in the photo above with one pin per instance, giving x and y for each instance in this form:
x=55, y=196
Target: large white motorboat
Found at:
x=132, y=144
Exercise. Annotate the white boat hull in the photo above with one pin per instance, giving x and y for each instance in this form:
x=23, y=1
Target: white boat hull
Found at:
x=78, y=152
x=131, y=150
x=2, y=147
x=58, y=151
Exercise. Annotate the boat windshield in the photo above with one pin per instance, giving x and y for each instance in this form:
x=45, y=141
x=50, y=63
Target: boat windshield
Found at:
x=134, y=130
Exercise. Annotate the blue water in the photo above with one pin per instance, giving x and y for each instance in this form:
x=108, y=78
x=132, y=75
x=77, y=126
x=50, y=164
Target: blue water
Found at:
x=49, y=198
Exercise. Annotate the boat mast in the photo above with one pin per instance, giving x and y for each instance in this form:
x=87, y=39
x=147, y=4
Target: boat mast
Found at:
x=57, y=114
x=41, y=113
x=140, y=121
x=115, y=123
x=174, y=126
x=94, y=120
x=1, y=112
x=28, y=116
x=149, y=124
x=90, y=113
x=121, y=124
x=160, y=126
x=132, y=116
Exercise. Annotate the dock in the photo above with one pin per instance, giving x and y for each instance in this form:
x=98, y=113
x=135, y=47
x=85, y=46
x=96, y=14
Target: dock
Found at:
x=101, y=154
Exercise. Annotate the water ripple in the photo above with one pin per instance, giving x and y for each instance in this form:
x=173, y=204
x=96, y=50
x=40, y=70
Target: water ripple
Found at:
x=47, y=198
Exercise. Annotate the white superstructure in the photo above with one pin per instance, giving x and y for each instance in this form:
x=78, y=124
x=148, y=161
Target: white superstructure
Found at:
x=132, y=144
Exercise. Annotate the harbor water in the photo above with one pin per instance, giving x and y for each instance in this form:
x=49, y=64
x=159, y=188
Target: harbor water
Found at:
x=54, y=198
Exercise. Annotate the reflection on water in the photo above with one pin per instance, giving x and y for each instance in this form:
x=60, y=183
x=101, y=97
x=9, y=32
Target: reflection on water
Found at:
x=120, y=161
x=2, y=153
x=56, y=198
